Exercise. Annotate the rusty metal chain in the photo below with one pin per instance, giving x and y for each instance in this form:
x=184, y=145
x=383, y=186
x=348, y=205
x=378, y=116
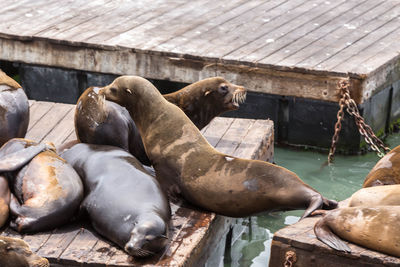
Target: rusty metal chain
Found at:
x=365, y=130
x=290, y=259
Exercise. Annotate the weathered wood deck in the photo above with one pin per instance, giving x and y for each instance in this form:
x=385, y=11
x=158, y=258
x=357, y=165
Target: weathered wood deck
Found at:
x=295, y=48
x=194, y=233
x=300, y=238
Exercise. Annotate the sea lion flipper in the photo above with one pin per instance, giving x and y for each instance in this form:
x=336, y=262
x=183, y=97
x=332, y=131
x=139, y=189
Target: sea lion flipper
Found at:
x=325, y=235
x=329, y=204
x=15, y=206
x=316, y=202
x=18, y=159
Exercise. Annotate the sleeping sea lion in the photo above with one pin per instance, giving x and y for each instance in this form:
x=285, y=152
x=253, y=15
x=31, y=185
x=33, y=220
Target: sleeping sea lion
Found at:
x=15, y=252
x=14, y=109
x=387, y=195
x=386, y=171
x=46, y=191
x=183, y=159
x=375, y=228
x=124, y=203
x=98, y=121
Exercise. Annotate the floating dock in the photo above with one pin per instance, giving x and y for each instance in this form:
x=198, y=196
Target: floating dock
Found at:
x=196, y=236
x=289, y=54
x=299, y=240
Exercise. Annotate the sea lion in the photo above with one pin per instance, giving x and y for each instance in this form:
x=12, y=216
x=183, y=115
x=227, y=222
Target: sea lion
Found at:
x=386, y=195
x=15, y=252
x=46, y=190
x=386, y=171
x=204, y=100
x=4, y=200
x=98, y=121
x=183, y=159
x=373, y=227
x=124, y=203
x=14, y=109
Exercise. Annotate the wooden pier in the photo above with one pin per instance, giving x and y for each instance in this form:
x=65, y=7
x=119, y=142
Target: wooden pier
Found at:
x=293, y=52
x=300, y=239
x=195, y=234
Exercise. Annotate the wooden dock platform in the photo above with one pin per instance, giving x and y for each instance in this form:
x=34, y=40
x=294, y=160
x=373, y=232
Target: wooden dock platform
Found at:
x=297, y=45
x=300, y=239
x=292, y=52
x=195, y=234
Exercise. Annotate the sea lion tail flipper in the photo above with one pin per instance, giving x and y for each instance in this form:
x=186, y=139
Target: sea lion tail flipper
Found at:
x=18, y=159
x=325, y=235
x=316, y=202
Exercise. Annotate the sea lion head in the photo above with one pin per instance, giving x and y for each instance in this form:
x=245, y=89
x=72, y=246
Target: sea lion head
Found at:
x=148, y=236
x=16, y=252
x=124, y=89
x=220, y=90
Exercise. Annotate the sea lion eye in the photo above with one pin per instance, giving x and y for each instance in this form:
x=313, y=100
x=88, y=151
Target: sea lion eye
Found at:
x=113, y=90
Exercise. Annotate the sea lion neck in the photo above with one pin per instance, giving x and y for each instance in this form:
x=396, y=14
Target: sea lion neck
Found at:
x=199, y=100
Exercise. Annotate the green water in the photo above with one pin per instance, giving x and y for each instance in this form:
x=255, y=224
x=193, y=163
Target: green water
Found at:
x=338, y=181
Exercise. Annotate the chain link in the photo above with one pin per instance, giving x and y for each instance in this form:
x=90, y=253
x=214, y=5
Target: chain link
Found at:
x=365, y=130
x=290, y=259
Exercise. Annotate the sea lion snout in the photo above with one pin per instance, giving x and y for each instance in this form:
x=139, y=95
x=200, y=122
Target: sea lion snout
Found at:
x=234, y=95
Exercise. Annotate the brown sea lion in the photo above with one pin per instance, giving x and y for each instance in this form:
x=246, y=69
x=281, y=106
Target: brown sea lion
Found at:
x=15, y=252
x=14, y=109
x=386, y=195
x=375, y=228
x=204, y=100
x=46, y=190
x=125, y=204
x=183, y=158
x=98, y=121
x=386, y=171
x=4, y=200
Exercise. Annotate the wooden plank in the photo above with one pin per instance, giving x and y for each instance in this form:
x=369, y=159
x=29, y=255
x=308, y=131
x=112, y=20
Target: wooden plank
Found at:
x=285, y=29
x=128, y=16
x=259, y=142
x=233, y=137
x=37, y=111
x=76, y=16
x=372, y=45
x=218, y=127
x=15, y=11
x=31, y=102
x=100, y=252
x=37, y=240
x=230, y=32
x=260, y=29
x=384, y=55
x=190, y=20
x=48, y=122
x=302, y=48
x=71, y=136
x=276, y=51
x=80, y=250
x=59, y=240
x=35, y=16
x=187, y=41
x=137, y=37
x=357, y=47
x=62, y=130
x=344, y=36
